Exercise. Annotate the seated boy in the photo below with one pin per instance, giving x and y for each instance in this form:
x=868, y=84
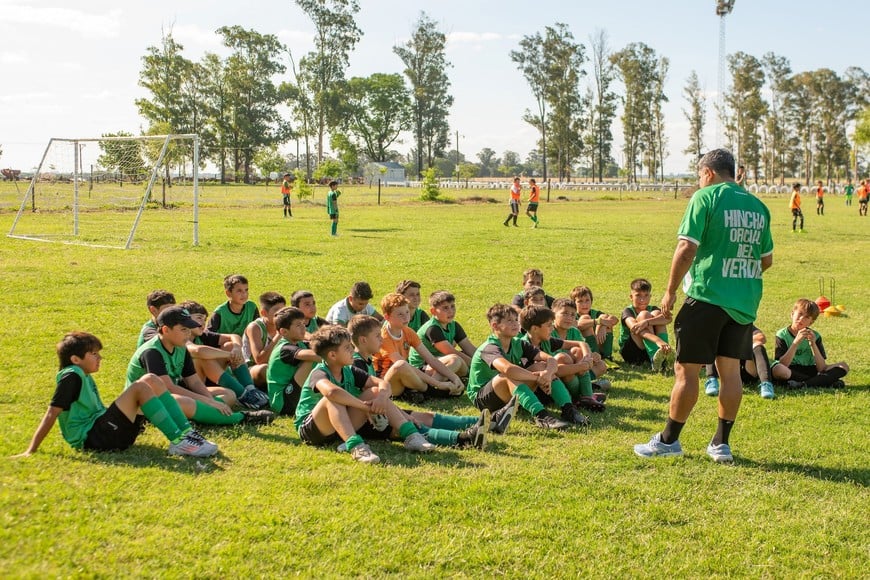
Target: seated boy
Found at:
x=800, y=354
x=166, y=356
x=219, y=362
x=573, y=357
x=260, y=335
x=643, y=339
x=156, y=301
x=86, y=424
x=595, y=326
x=357, y=302
x=582, y=386
x=756, y=369
x=531, y=277
x=391, y=361
x=505, y=366
x=441, y=335
x=234, y=315
x=304, y=301
x=411, y=290
x=438, y=429
x=338, y=399
x=290, y=362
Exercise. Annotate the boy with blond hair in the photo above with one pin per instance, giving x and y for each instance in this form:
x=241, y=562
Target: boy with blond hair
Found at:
x=441, y=336
x=260, y=335
x=290, y=362
x=643, y=339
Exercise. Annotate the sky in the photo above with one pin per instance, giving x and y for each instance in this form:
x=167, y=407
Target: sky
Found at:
x=71, y=69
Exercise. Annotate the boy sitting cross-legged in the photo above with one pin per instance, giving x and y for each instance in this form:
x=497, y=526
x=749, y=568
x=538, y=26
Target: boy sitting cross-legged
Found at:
x=290, y=362
x=505, y=366
x=439, y=429
x=595, y=326
x=643, y=339
x=391, y=361
x=356, y=302
x=565, y=327
x=441, y=335
x=166, y=356
x=338, y=398
x=219, y=362
x=85, y=423
x=156, y=301
x=260, y=335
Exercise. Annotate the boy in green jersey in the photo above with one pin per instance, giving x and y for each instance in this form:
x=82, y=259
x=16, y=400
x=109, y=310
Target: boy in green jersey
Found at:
x=304, y=300
x=332, y=205
x=290, y=361
x=532, y=277
x=565, y=327
x=643, y=339
x=848, y=191
x=86, y=424
x=441, y=336
x=234, y=315
x=595, y=325
x=582, y=385
x=411, y=291
x=338, y=399
x=260, y=336
x=505, y=366
x=166, y=356
x=156, y=301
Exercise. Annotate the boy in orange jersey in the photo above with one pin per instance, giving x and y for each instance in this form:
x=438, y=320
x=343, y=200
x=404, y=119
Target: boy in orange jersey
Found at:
x=516, y=190
x=795, y=204
x=286, y=189
x=820, y=198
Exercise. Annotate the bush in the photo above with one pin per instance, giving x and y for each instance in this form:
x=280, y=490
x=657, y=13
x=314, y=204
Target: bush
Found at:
x=430, y=190
x=303, y=188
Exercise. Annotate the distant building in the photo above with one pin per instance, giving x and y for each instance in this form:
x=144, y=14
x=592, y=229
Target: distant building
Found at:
x=387, y=171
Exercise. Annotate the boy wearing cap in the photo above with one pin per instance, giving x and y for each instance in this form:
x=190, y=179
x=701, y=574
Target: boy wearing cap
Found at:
x=166, y=356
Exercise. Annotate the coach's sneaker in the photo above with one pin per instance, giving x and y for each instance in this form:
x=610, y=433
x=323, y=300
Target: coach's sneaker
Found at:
x=261, y=417
x=711, y=387
x=364, y=454
x=253, y=398
x=545, y=420
x=501, y=419
x=655, y=448
x=194, y=445
x=766, y=390
x=416, y=442
x=720, y=453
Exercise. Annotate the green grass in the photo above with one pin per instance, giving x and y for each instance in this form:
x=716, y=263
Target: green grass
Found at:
x=534, y=505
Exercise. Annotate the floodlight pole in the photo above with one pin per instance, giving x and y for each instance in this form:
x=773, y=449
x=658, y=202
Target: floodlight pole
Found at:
x=723, y=9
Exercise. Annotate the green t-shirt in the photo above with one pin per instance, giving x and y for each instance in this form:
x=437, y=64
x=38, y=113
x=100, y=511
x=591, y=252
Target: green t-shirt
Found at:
x=731, y=229
x=76, y=421
x=624, y=332
x=332, y=202
x=480, y=372
x=803, y=355
x=449, y=331
x=173, y=361
x=572, y=333
x=418, y=319
x=279, y=373
x=231, y=323
x=849, y=190
x=310, y=396
x=149, y=328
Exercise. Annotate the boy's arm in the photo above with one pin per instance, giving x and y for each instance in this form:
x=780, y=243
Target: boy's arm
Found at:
x=259, y=353
x=45, y=426
x=439, y=366
x=204, y=352
x=197, y=390
x=514, y=372
x=818, y=354
x=468, y=349
x=339, y=396
x=788, y=355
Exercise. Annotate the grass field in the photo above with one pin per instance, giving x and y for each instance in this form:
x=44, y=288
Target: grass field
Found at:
x=533, y=505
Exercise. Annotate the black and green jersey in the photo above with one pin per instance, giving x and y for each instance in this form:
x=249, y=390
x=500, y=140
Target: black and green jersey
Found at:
x=332, y=202
x=803, y=356
x=418, y=319
x=225, y=321
x=551, y=346
x=314, y=324
x=364, y=364
x=353, y=380
x=433, y=332
x=152, y=357
x=149, y=329
x=283, y=364
x=519, y=352
x=77, y=395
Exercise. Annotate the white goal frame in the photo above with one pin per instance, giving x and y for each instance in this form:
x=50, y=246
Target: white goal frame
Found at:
x=77, y=174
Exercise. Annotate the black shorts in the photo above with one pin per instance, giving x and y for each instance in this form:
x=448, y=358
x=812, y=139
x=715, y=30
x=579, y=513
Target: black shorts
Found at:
x=705, y=331
x=820, y=201
x=113, y=431
x=532, y=207
x=515, y=206
x=310, y=434
x=796, y=212
x=745, y=376
x=286, y=199
x=801, y=372
x=333, y=216
x=487, y=398
x=368, y=432
x=633, y=354
x=291, y=400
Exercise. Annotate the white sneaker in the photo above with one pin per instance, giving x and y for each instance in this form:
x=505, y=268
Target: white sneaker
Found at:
x=364, y=454
x=655, y=448
x=720, y=453
x=194, y=445
x=416, y=442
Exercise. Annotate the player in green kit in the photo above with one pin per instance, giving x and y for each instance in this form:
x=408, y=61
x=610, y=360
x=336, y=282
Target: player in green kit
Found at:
x=156, y=301
x=290, y=362
x=724, y=247
x=849, y=190
x=441, y=336
x=234, y=315
x=332, y=205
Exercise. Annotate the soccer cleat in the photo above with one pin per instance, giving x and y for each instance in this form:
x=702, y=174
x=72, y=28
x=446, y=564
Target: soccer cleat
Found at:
x=416, y=442
x=253, y=398
x=602, y=385
x=591, y=404
x=795, y=385
x=711, y=387
x=570, y=414
x=476, y=435
x=655, y=448
x=766, y=390
x=659, y=360
x=545, y=420
x=260, y=417
x=501, y=419
x=413, y=397
x=193, y=445
x=720, y=453
x=364, y=454
x=838, y=384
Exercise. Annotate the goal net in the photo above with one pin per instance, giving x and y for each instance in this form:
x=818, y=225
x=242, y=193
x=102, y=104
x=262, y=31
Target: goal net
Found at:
x=109, y=191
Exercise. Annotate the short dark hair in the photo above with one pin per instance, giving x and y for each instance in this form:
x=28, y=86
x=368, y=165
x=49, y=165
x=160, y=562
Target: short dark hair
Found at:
x=807, y=307
x=406, y=285
x=533, y=291
x=580, y=291
x=328, y=338
x=498, y=312
x=194, y=307
x=271, y=299
x=797, y=186
x=560, y=303
x=76, y=344
x=287, y=315
x=233, y=279
x=331, y=183
x=535, y=316
x=440, y=297
x=299, y=296
x=719, y=161
x=158, y=298
x=360, y=325
x=641, y=285
x=361, y=290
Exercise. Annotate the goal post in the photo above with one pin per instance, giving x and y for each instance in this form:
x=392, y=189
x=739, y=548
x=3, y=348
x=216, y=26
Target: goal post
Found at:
x=96, y=191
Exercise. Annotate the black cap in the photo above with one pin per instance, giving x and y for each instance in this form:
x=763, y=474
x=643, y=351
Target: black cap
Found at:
x=176, y=315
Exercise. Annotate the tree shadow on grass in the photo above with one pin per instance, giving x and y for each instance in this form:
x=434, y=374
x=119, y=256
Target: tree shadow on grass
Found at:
x=371, y=230
x=151, y=456
x=856, y=476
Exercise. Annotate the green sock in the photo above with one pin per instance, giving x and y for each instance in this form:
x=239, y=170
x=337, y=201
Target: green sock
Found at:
x=559, y=393
x=406, y=429
x=573, y=386
x=528, y=400
x=229, y=381
x=535, y=218
x=452, y=422
x=353, y=441
x=607, y=348
x=652, y=347
x=243, y=375
x=171, y=406
x=334, y=228
x=154, y=410
x=443, y=437
x=586, y=384
x=211, y=416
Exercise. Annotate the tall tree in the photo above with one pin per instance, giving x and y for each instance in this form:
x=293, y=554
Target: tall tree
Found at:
x=217, y=110
x=834, y=107
x=604, y=102
x=377, y=109
x=426, y=69
x=747, y=108
x=658, y=137
x=695, y=115
x=488, y=162
x=800, y=113
x=335, y=36
x=777, y=71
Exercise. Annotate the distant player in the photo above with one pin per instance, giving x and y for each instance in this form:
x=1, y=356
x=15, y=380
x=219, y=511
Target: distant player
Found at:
x=516, y=190
x=534, y=195
x=795, y=205
x=286, y=189
x=820, y=198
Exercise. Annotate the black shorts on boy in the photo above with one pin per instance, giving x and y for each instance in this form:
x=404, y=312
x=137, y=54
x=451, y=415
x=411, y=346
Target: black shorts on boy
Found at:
x=113, y=431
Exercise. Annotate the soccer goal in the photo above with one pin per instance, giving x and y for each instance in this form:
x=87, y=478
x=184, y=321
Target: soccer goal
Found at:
x=107, y=191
